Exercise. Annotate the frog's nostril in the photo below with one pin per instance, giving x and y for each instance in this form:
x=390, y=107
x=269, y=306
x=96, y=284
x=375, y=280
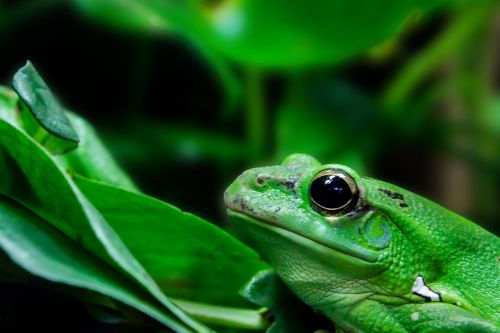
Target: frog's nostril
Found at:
x=261, y=181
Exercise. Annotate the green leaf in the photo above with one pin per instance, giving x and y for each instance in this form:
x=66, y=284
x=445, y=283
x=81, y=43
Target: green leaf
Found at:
x=34, y=178
x=288, y=34
x=8, y=104
x=42, y=251
x=465, y=26
x=333, y=121
x=148, y=142
x=276, y=33
x=188, y=257
x=92, y=159
x=44, y=118
x=133, y=15
x=290, y=314
x=165, y=17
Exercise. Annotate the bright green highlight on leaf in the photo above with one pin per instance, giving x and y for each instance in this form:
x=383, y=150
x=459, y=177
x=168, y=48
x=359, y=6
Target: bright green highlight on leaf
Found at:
x=270, y=34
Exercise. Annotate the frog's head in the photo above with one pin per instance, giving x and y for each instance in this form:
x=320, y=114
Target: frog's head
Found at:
x=317, y=225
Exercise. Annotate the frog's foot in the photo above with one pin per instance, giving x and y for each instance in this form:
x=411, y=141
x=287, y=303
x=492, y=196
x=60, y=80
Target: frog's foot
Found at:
x=433, y=317
x=441, y=317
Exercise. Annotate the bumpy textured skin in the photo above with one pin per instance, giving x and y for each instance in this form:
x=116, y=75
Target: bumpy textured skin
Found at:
x=358, y=269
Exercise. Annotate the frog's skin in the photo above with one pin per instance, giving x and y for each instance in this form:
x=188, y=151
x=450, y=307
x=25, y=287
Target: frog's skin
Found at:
x=394, y=262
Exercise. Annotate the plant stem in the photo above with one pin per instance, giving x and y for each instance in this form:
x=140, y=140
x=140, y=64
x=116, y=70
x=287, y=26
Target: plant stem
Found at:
x=418, y=68
x=140, y=72
x=255, y=115
x=224, y=316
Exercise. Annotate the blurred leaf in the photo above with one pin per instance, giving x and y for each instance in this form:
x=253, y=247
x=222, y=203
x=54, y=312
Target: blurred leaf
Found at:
x=224, y=74
x=146, y=15
x=455, y=36
x=304, y=131
x=491, y=118
x=92, y=159
x=16, y=13
x=148, y=142
x=166, y=17
x=294, y=33
x=188, y=257
x=290, y=314
x=34, y=178
x=44, y=252
x=44, y=119
x=105, y=314
x=333, y=121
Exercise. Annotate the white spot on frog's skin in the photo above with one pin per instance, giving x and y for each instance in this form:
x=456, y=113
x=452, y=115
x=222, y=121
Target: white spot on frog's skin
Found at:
x=415, y=316
x=421, y=289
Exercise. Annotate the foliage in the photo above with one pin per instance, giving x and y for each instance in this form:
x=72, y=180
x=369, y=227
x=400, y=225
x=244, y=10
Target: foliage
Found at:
x=71, y=230
x=71, y=216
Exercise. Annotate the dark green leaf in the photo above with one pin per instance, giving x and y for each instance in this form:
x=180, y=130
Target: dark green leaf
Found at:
x=334, y=122
x=92, y=159
x=462, y=30
x=285, y=33
x=44, y=252
x=188, y=257
x=44, y=118
x=34, y=178
x=290, y=314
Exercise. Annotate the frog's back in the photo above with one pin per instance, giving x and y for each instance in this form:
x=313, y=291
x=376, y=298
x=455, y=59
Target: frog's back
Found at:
x=466, y=255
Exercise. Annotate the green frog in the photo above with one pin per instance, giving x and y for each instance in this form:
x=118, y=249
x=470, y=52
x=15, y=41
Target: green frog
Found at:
x=370, y=256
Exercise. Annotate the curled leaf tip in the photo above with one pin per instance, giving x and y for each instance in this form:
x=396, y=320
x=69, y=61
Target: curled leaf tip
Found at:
x=46, y=120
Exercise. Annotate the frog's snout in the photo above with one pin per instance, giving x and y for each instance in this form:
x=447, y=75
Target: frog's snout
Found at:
x=265, y=183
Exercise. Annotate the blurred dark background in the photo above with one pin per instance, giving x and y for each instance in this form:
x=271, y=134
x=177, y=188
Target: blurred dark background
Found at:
x=187, y=95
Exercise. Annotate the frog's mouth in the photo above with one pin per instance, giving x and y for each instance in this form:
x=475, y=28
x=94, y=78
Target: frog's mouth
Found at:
x=342, y=250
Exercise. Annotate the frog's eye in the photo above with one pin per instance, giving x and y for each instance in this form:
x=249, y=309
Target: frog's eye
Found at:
x=333, y=192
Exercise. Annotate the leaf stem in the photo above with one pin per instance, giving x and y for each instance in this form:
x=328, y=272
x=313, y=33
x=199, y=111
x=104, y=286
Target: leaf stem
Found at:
x=224, y=316
x=255, y=115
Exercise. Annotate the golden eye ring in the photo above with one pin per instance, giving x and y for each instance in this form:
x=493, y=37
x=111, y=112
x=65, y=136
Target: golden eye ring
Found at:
x=333, y=192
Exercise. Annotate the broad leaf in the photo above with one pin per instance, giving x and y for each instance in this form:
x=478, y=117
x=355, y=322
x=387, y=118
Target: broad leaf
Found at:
x=92, y=159
x=44, y=252
x=34, y=178
x=188, y=257
x=268, y=33
x=285, y=33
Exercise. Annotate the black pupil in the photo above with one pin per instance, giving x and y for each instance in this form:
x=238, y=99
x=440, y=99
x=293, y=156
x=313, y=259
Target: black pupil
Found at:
x=330, y=192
